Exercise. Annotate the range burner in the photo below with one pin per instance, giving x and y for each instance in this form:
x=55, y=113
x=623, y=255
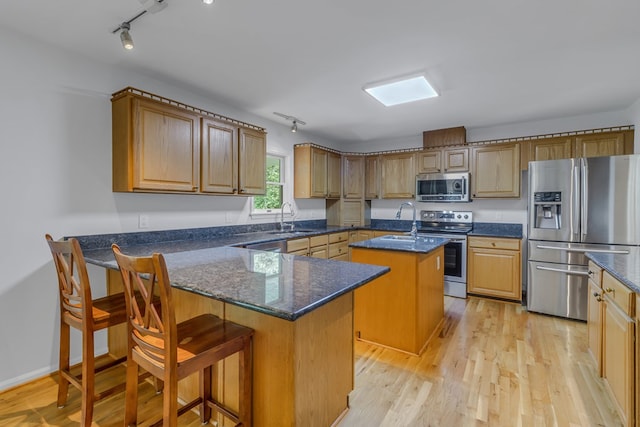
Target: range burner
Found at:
x=454, y=222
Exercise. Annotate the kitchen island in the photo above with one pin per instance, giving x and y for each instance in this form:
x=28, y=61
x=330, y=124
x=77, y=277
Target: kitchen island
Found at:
x=404, y=309
x=300, y=308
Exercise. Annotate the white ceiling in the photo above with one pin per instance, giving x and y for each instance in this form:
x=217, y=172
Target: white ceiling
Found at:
x=494, y=62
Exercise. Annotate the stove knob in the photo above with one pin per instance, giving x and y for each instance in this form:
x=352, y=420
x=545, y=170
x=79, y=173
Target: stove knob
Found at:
x=459, y=216
x=466, y=217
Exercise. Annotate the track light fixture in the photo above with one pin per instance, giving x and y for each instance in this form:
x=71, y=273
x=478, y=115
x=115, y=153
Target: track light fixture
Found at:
x=150, y=6
x=208, y=1
x=125, y=37
x=296, y=121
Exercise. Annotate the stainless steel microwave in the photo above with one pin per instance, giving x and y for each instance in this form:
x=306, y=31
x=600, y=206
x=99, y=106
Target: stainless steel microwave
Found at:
x=442, y=187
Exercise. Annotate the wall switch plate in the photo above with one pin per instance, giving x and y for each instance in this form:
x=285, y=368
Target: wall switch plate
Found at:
x=143, y=221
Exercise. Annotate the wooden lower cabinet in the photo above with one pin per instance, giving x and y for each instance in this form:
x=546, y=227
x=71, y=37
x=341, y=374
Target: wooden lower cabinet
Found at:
x=339, y=246
x=618, y=346
x=318, y=246
x=404, y=308
x=494, y=267
x=594, y=316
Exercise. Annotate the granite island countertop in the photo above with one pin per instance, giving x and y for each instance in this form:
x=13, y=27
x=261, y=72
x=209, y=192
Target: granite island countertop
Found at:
x=624, y=267
x=280, y=285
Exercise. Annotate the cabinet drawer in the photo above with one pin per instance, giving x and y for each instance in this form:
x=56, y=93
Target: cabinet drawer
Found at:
x=337, y=249
x=339, y=237
x=494, y=243
x=318, y=241
x=297, y=245
x=595, y=274
x=623, y=296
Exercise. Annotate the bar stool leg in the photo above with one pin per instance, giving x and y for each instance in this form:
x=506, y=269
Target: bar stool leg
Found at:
x=88, y=378
x=205, y=394
x=131, y=393
x=246, y=391
x=63, y=364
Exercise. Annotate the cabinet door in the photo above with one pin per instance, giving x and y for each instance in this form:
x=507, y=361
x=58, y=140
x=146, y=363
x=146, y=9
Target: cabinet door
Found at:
x=334, y=175
x=372, y=177
x=219, y=169
x=496, y=171
x=252, y=162
x=604, y=144
x=166, y=142
x=551, y=148
x=494, y=272
x=429, y=161
x=455, y=159
x=618, y=358
x=319, y=172
x=353, y=177
x=398, y=178
x=594, y=324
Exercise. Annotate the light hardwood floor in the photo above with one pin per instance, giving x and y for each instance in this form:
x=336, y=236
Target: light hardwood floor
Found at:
x=493, y=364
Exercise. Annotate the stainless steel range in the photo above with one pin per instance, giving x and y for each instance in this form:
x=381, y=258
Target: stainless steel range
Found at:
x=452, y=225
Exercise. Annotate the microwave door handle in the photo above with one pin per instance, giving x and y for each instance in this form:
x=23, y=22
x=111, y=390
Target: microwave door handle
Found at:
x=464, y=187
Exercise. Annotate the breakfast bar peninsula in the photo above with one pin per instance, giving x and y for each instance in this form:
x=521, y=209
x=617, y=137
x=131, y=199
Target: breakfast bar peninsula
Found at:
x=300, y=308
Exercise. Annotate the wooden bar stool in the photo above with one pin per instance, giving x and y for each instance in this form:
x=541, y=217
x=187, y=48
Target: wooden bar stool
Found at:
x=171, y=351
x=79, y=310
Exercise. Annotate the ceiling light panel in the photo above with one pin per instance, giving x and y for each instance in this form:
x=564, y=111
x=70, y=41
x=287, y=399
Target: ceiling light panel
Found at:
x=401, y=91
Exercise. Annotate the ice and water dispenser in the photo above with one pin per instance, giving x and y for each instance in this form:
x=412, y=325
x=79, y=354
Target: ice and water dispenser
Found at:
x=547, y=209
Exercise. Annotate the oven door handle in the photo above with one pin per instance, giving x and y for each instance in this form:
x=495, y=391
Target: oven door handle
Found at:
x=599, y=251
x=560, y=270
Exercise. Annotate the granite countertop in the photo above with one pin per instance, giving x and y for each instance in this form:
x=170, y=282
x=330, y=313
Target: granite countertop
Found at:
x=625, y=268
x=280, y=285
x=402, y=243
x=495, y=229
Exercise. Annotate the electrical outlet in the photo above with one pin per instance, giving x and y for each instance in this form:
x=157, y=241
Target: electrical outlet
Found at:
x=143, y=221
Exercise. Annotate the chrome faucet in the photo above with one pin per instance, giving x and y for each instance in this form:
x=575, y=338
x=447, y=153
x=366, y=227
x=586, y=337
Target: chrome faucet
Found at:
x=414, y=226
x=282, y=223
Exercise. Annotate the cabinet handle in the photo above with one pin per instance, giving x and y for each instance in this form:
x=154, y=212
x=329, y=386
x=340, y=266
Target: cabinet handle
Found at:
x=590, y=273
x=235, y=190
x=608, y=290
x=241, y=190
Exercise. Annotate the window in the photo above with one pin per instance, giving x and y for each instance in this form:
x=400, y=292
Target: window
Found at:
x=272, y=200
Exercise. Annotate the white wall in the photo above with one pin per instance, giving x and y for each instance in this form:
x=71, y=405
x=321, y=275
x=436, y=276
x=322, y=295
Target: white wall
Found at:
x=55, y=165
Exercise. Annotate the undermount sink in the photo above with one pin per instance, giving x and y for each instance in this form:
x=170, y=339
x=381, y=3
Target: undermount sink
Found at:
x=398, y=237
x=294, y=231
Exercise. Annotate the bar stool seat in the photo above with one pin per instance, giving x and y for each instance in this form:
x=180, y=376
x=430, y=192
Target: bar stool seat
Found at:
x=171, y=351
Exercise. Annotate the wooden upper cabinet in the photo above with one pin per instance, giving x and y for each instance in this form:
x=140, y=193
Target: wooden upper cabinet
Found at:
x=496, y=171
x=551, y=148
x=353, y=177
x=600, y=144
x=252, y=155
x=155, y=146
x=429, y=161
x=161, y=145
x=586, y=145
x=371, y=177
x=334, y=175
x=219, y=170
x=451, y=159
x=456, y=159
x=398, y=177
x=310, y=172
x=233, y=159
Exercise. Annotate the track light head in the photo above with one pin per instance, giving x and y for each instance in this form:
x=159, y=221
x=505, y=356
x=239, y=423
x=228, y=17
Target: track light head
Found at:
x=125, y=37
x=208, y=1
x=294, y=128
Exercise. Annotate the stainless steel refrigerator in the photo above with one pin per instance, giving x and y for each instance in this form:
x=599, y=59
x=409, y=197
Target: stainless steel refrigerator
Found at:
x=577, y=206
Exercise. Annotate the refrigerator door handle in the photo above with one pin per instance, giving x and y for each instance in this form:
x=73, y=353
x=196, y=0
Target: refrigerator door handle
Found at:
x=599, y=251
x=584, y=172
x=575, y=205
x=560, y=270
